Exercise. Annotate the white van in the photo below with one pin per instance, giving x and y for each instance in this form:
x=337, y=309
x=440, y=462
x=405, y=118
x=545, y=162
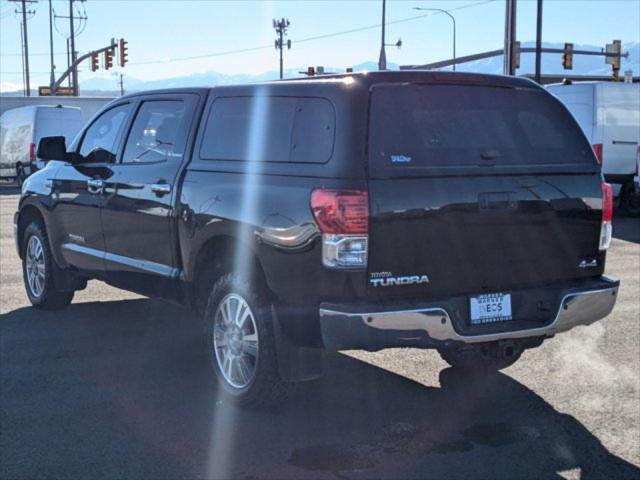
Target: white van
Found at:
x=609, y=114
x=22, y=128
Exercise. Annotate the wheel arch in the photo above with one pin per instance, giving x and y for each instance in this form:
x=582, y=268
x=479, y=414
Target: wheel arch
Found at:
x=28, y=213
x=216, y=257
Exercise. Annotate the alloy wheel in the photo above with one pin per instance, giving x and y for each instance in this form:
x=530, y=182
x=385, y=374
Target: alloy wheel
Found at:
x=235, y=340
x=35, y=266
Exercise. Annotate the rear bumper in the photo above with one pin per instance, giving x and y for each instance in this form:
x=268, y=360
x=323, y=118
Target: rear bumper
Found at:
x=345, y=327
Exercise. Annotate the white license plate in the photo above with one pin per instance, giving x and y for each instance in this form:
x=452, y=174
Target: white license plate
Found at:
x=489, y=308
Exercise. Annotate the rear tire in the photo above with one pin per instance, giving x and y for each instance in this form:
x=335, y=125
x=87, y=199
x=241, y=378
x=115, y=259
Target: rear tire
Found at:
x=630, y=200
x=20, y=175
x=37, y=270
x=241, y=343
x=489, y=357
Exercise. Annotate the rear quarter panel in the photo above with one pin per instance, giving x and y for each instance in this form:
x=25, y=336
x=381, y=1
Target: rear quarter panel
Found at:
x=268, y=218
x=265, y=210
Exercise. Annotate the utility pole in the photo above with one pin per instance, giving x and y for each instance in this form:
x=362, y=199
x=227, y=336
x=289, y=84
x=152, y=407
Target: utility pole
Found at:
x=121, y=86
x=509, y=37
x=73, y=48
x=53, y=67
x=72, y=54
x=24, y=84
x=538, y=73
x=25, y=40
x=68, y=62
x=281, y=30
x=382, y=61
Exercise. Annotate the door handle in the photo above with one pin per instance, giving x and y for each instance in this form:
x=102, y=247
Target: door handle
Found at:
x=95, y=185
x=161, y=188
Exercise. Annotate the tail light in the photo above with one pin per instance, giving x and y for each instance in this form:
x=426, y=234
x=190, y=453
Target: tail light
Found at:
x=597, y=149
x=606, y=228
x=32, y=152
x=343, y=219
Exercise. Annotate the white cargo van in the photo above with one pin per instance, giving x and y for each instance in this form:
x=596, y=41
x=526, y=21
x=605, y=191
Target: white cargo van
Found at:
x=609, y=114
x=22, y=128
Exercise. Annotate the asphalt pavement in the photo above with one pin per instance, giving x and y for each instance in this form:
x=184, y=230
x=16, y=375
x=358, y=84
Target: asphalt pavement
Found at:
x=119, y=386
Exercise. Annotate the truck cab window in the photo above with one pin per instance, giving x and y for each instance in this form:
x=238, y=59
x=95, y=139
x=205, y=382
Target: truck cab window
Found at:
x=158, y=133
x=102, y=138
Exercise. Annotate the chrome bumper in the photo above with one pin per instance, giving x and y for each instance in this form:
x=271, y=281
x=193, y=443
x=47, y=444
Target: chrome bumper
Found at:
x=577, y=308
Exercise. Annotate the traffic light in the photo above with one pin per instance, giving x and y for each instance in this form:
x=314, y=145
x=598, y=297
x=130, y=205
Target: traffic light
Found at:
x=108, y=59
x=94, y=62
x=614, y=50
x=123, y=52
x=567, y=56
x=615, y=65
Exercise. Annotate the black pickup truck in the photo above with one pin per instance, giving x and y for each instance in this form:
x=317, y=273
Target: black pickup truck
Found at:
x=460, y=212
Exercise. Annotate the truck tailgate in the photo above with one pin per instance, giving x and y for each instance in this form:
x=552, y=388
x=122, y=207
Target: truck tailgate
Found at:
x=483, y=234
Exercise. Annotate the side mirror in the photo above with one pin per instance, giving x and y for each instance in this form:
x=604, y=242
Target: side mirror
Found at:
x=52, y=148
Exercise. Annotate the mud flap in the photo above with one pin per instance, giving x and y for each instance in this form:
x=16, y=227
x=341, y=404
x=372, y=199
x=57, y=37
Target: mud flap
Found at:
x=66, y=281
x=295, y=363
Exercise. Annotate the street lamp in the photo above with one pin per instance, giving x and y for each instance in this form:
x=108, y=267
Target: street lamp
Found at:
x=454, y=27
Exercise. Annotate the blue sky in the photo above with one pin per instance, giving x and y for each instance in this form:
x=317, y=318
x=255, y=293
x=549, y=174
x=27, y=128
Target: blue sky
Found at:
x=158, y=31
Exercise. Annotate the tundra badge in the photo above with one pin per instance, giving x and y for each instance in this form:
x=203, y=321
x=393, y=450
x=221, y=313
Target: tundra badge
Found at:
x=386, y=279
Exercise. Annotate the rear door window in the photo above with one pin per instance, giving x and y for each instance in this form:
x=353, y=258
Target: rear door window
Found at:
x=269, y=129
x=417, y=127
x=159, y=133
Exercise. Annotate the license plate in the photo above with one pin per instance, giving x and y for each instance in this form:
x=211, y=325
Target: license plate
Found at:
x=489, y=308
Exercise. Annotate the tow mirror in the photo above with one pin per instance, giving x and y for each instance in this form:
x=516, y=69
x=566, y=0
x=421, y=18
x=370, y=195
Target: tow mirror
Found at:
x=52, y=148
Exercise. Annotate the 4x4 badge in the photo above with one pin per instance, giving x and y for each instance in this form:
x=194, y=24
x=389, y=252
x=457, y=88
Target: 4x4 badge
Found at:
x=588, y=264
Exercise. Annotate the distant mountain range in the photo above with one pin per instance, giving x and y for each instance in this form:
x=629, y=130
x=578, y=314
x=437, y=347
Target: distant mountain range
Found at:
x=551, y=64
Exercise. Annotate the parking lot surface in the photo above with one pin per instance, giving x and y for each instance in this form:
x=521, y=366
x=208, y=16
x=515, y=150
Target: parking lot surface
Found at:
x=119, y=386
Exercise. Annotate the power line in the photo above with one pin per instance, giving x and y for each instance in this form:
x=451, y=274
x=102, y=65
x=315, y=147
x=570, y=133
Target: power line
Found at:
x=302, y=40
x=74, y=31
x=31, y=54
x=307, y=39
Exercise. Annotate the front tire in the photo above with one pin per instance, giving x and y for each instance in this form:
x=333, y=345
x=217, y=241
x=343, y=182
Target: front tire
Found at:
x=241, y=343
x=37, y=270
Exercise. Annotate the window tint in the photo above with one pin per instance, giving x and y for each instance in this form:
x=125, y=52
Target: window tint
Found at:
x=448, y=125
x=269, y=129
x=313, y=131
x=105, y=134
x=158, y=133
